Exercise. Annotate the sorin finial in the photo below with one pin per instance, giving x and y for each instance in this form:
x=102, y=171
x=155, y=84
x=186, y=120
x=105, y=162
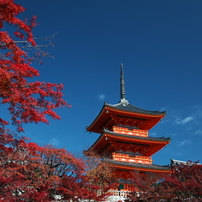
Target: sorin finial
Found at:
x=122, y=87
x=123, y=101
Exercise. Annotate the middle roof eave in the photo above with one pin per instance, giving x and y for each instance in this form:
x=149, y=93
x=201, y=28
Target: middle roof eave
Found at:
x=103, y=140
x=153, y=139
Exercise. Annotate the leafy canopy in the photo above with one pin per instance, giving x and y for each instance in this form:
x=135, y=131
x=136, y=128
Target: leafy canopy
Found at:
x=28, y=102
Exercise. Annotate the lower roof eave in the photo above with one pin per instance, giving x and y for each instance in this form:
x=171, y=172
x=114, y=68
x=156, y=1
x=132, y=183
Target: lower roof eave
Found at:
x=138, y=166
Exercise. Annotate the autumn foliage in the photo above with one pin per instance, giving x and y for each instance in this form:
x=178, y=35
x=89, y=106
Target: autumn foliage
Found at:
x=32, y=173
x=99, y=172
x=29, y=172
x=184, y=184
x=27, y=101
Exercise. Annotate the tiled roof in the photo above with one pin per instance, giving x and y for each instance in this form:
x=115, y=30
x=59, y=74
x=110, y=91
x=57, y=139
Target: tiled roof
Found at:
x=125, y=106
x=137, y=165
x=137, y=137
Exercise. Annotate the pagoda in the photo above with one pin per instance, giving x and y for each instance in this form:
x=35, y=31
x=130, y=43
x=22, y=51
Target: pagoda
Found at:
x=124, y=139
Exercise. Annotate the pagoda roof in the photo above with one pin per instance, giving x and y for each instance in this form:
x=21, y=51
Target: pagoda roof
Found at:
x=127, y=107
x=143, y=119
x=159, y=139
x=138, y=166
x=153, y=144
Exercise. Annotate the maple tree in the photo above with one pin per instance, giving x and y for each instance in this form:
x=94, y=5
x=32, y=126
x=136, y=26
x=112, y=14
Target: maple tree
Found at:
x=184, y=184
x=32, y=173
x=22, y=176
x=27, y=101
x=100, y=173
x=72, y=183
x=29, y=172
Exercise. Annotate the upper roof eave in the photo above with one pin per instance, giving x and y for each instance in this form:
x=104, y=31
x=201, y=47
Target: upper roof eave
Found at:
x=125, y=106
x=121, y=107
x=88, y=128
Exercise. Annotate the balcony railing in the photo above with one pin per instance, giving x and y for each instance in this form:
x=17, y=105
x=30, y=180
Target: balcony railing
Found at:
x=133, y=159
x=134, y=132
x=123, y=194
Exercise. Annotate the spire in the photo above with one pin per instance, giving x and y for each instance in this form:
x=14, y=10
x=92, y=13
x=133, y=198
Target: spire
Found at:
x=122, y=83
x=122, y=87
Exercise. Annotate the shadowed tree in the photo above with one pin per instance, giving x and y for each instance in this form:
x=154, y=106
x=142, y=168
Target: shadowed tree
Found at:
x=184, y=184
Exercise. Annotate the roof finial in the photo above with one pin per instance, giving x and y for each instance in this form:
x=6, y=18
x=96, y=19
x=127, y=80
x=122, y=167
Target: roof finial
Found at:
x=122, y=87
x=123, y=101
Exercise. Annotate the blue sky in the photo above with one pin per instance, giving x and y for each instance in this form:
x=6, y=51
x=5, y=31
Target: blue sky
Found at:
x=159, y=43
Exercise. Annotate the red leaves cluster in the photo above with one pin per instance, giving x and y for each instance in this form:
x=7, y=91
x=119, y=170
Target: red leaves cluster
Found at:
x=18, y=165
x=184, y=184
x=29, y=172
x=8, y=12
x=27, y=101
x=100, y=174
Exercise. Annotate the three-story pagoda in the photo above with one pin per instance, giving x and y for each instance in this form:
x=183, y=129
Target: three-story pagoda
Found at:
x=124, y=139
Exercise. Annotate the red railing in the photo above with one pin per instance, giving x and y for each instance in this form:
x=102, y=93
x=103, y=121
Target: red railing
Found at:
x=126, y=131
x=132, y=159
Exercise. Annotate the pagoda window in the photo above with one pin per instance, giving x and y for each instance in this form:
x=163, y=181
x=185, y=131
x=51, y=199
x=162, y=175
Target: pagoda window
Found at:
x=121, y=186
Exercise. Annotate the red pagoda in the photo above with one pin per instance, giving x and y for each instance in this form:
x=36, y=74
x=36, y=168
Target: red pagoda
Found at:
x=124, y=141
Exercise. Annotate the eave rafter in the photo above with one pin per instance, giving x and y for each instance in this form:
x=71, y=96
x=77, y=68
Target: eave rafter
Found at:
x=117, y=146
x=118, y=120
x=146, y=150
x=116, y=117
